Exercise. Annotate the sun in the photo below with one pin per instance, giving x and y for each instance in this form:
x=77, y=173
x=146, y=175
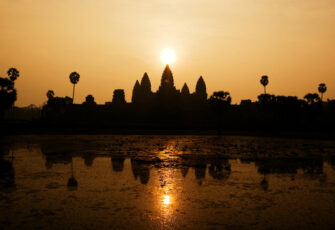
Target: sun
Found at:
x=168, y=56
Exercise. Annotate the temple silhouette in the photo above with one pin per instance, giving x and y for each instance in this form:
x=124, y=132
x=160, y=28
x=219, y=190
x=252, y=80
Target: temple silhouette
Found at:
x=167, y=95
x=167, y=106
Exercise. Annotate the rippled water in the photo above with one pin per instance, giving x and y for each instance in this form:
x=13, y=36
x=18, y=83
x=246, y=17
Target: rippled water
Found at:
x=166, y=182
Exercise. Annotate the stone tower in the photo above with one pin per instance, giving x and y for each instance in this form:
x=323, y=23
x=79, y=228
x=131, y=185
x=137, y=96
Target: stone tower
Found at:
x=200, y=90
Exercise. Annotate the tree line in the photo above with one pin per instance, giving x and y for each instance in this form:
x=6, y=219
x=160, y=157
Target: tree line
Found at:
x=219, y=102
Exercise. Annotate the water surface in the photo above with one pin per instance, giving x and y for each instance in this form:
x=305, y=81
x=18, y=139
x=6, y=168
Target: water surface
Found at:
x=166, y=182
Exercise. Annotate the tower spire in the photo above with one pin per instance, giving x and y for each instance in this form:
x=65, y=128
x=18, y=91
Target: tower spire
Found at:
x=200, y=89
x=167, y=77
x=185, y=90
x=136, y=92
x=145, y=83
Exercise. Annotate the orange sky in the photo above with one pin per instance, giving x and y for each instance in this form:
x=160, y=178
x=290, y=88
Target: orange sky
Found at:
x=111, y=43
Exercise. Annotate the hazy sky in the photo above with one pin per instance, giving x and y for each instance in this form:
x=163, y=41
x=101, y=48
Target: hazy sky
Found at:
x=111, y=43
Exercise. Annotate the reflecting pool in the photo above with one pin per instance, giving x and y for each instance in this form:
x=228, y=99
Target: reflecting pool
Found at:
x=166, y=182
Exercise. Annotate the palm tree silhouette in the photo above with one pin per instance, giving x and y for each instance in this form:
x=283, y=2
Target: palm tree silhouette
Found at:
x=312, y=98
x=74, y=78
x=264, y=81
x=322, y=89
x=72, y=183
x=13, y=74
x=7, y=95
x=50, y=94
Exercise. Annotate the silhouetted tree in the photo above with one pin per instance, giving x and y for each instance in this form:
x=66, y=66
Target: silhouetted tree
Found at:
x=220, y=102
x=50, y=94
x=312, y=98
x=289, y=108
x=7, y=95
x=118, y=97
x=264, y=81
x=13, y=74
x=313, y=110
x=89, y=100
x=74, y=78
x=266, y=99
x=267, y=102
x=322, y=89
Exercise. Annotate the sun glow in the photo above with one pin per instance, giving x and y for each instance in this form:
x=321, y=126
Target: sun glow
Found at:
x=166, y=200
x=168, y=56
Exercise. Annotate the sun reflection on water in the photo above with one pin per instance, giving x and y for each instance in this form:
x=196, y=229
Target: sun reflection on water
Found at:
x=167, y=195
x=166, y=200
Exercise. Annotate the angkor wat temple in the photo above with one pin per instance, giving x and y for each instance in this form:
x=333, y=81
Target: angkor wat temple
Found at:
x=168, y=106
x=167, y=95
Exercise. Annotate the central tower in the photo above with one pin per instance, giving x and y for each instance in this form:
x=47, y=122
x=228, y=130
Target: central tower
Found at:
x=167, y=92
x=167, y=83
x=167, y=78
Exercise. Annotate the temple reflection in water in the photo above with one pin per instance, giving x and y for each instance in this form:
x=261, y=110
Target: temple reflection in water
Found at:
x=173, y=182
